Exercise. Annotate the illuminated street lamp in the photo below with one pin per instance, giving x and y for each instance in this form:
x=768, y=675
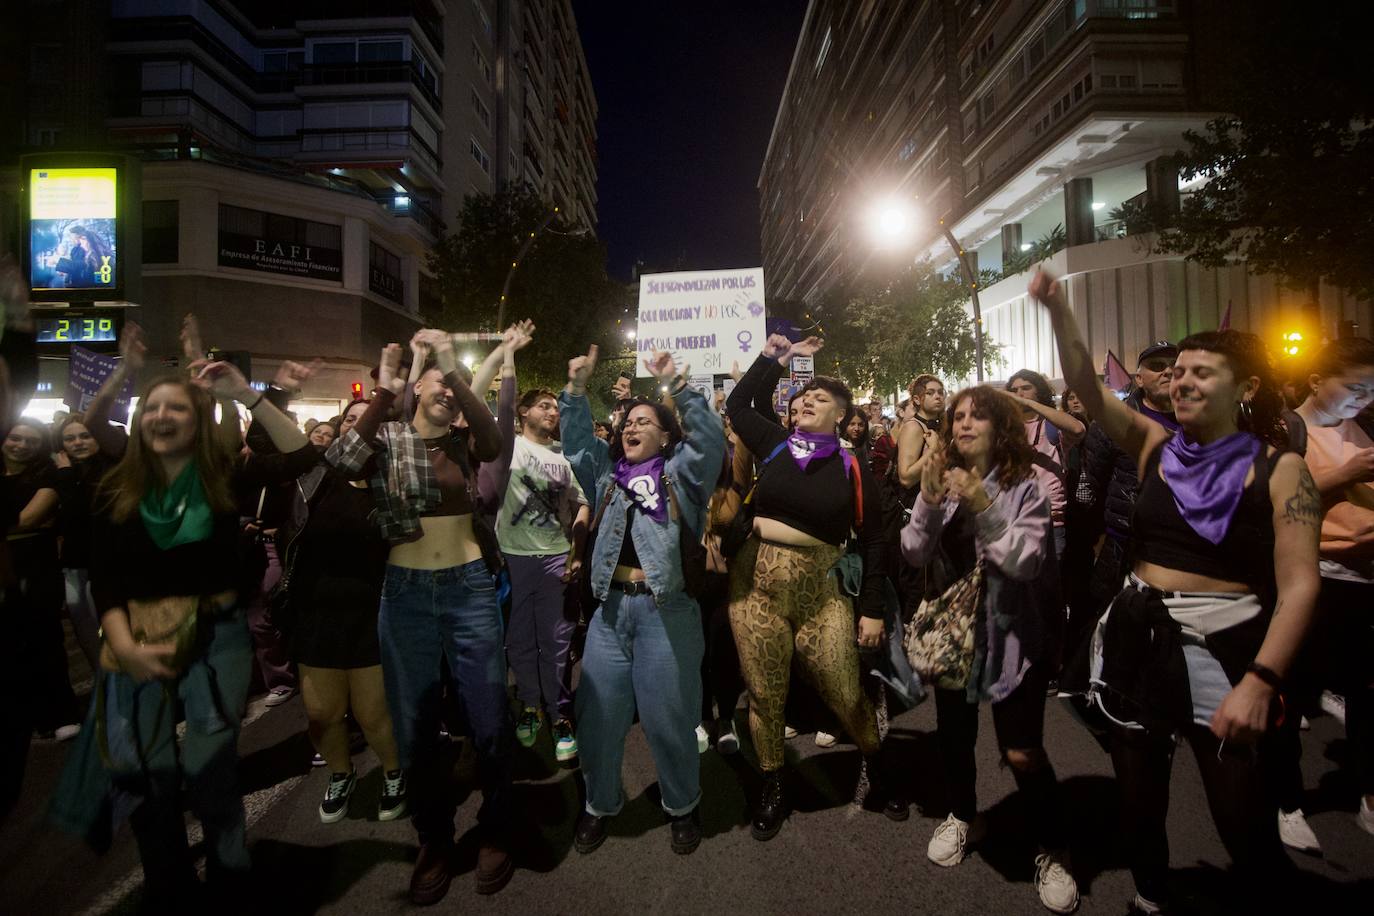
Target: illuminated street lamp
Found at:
x=891, y=222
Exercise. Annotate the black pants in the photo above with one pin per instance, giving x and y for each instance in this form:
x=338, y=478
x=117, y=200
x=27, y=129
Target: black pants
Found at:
x=34, y=607
x=1019, y=721
x=1344, y=644
x=1235, y=795
x=721, y=681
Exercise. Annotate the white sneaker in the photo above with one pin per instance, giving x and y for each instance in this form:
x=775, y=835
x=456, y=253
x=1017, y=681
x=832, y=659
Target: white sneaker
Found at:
x=279, y=695
x=788, y=732
x=66, y=732
x=728, y=742
x=1054, y=883
x=1295, y=832
x=1333, y=704
x=1145, y=907
x=1304, y=725
x=949, y=844
x=1366, y=816
x=825, y=739
x=703, y=740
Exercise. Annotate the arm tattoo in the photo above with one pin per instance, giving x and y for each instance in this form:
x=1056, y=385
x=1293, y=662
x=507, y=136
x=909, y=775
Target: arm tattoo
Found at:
x=1305, y=506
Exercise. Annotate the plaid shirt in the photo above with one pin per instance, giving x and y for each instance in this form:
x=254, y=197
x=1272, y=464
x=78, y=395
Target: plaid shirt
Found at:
x=399, y=474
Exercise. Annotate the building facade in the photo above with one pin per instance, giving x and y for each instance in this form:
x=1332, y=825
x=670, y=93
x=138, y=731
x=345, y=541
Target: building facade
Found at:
x=300, y=158
x=1011, y=122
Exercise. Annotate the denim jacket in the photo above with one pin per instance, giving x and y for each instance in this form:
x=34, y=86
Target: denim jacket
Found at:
x=691, y=470
x=1013, y=541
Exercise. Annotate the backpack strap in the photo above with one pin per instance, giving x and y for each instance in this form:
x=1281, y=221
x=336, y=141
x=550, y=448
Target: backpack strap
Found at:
x=749, y=497
x=1297, y=432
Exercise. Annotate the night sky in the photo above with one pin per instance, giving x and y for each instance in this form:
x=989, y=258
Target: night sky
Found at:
x=687, y=94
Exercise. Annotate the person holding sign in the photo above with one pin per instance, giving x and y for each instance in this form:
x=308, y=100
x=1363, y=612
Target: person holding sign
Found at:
x=786, y=593
x=652, y=484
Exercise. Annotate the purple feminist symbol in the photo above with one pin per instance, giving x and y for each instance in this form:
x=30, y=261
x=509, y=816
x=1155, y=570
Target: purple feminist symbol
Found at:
x=744, y=337
x=755, y=309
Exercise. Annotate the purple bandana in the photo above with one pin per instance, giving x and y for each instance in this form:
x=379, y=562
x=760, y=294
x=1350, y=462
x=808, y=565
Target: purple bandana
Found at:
x=1207, y=480
x=642, y=483
x=807, y=447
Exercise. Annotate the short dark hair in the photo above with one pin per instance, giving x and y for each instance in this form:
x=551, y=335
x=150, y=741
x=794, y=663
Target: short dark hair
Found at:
x=464, y=372
x=1247, y=356
x=919, y=383
x=836, y=389
x=665, y=415
x=1044, y=391
x=529, y=399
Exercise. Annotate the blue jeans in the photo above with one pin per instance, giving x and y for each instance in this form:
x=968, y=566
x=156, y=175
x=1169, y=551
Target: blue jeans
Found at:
x=648, y=655
x=427, y=614
x=146, y=764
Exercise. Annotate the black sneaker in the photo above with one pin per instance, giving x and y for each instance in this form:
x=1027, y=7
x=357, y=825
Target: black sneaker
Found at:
x=686, y=832
x=591, y=832
x=336, y=794
x=393, y=803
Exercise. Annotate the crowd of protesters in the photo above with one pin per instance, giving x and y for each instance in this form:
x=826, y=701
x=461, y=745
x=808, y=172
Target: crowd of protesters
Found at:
x=1193, y=562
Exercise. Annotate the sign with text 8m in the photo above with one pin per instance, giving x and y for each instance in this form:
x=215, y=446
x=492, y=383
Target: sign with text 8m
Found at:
x=706, y=319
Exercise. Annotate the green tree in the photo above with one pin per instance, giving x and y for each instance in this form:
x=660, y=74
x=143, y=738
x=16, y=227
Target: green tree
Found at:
x=560, y=281
x=882, y=336
x=1291, y=167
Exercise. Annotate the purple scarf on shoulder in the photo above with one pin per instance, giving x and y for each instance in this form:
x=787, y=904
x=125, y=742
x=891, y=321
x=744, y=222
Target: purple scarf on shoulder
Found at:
x=642, y=483
x=807, y=447
x=1207, y=480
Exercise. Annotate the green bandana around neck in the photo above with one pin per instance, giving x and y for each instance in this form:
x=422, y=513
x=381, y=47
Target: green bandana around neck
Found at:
x=179, y=514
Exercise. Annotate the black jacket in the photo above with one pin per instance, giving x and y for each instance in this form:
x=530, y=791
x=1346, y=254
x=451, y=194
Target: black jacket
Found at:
x=1111, y=476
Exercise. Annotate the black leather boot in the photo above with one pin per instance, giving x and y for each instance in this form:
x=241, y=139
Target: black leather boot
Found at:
x=771, y=809
x=883, y=792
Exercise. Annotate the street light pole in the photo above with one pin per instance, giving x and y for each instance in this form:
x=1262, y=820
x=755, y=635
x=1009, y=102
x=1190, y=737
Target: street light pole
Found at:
x=972, y=280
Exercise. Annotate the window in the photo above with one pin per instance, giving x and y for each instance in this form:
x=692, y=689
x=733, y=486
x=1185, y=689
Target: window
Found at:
x=375, y=51
x=479, y=155
x=480, y=62
x=428, y=78
x=334, y=52
x=480, y=107
x=384, y=274
x=160, y=219
x=282, y=61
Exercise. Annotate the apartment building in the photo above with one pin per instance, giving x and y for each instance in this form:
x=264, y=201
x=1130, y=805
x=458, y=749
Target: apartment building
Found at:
x=1008, y=122
x=343, y=132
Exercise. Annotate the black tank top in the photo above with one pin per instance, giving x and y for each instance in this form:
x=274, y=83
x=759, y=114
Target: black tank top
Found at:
x=1246, y=554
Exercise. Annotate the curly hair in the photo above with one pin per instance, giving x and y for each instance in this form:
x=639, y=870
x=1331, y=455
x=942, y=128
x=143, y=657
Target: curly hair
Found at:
x=1044, y=391
x=665, y=416
x=1247, y=356
x=1011, y=454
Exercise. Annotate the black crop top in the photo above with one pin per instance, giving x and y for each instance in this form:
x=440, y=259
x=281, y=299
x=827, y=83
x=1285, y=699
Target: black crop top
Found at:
x=818, y=501
x=1246, y=554
x=628, y=555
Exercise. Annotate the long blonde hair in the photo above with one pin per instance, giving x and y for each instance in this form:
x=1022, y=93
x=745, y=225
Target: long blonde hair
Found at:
x=139, y=472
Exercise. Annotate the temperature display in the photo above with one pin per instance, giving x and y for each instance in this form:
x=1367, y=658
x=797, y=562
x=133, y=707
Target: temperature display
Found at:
x=75, y=330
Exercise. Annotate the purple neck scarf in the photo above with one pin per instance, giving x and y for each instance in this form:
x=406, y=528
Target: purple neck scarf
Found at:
x=1165, y=420
x=642, y=483
x=807, y=447
x=1207, y=480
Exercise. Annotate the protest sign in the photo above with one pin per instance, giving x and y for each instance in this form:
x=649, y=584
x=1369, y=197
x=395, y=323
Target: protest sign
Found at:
x=803, y=369
x=86, y=373
x=706, y=319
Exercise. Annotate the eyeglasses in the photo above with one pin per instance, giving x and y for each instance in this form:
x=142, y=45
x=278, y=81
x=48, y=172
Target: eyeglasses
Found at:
x=1157, y=365
x=641, y=423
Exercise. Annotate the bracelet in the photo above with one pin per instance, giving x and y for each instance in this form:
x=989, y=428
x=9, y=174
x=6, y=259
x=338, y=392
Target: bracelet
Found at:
x=254, y=405
x=1268, y=675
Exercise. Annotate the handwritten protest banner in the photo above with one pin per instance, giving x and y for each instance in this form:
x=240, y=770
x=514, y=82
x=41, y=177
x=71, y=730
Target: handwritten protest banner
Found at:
x=86, y=372
x=706, y=319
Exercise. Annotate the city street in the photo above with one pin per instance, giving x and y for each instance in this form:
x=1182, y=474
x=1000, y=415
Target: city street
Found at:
x=830, y=858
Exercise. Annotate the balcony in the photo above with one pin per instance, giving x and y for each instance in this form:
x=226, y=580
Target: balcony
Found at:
x=370, y=73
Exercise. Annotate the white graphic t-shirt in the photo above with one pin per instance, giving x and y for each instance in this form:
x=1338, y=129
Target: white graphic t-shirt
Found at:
x=541, y=501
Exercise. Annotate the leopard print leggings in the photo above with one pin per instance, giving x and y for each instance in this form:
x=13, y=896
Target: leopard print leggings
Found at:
x=783, y=597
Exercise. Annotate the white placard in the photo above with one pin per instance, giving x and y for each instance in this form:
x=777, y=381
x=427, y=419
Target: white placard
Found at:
x=803, y=369
x=705, y=383
x=706, y=319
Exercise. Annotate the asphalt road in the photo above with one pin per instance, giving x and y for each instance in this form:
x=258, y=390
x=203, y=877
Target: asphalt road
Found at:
x=830, y=858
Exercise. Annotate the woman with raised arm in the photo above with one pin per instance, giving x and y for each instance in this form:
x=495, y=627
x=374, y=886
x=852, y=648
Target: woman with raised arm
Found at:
x=786, y=594
x=644, y=646
x=1201, y=639
x=988, y=509
x=165, y=534
x=80, y=467
x=438, y=599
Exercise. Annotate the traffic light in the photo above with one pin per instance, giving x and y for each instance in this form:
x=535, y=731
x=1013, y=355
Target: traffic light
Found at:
x=357, y=391
x=1292, y=343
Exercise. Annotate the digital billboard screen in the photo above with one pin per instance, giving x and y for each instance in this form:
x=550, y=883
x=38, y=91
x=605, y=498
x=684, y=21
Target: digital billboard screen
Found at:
x=72, y=229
